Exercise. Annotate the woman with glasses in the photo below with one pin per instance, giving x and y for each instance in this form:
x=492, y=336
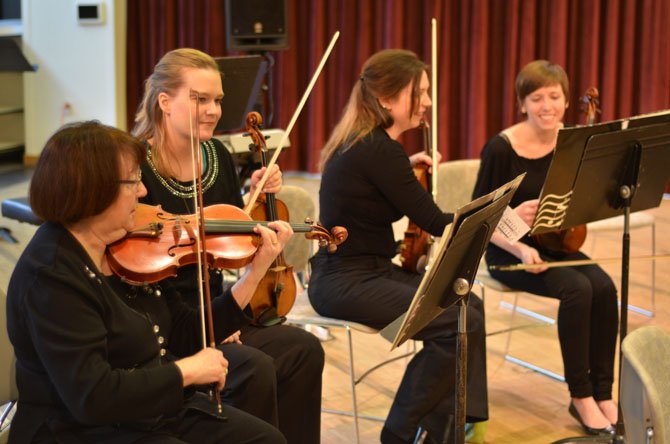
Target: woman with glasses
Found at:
x=97, y=360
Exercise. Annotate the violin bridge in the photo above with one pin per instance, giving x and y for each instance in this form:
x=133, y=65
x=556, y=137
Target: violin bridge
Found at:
x=177, y=230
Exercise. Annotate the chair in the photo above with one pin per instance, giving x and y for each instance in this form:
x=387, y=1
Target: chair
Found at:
x=304, y=314
x=17, y=209
x=457, y=179
x=640, y=219
x=8, y=391
x=645, y=387
x=301, y=206
x=297, y=254
x=484, y=280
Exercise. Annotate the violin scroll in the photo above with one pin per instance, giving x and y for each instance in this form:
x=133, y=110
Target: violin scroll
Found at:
x=330, y=239
x=590, y=101
x=252, y=125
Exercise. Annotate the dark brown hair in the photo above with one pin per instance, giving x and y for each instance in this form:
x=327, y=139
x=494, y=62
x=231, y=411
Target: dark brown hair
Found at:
x=538, y=74
x=78, y=172
x=384, y=76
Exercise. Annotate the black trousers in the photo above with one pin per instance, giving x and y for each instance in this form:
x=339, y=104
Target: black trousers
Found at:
x=276, y=375
x=197, y=428
x=587, y=317
x=372, y=291
x=193, y=426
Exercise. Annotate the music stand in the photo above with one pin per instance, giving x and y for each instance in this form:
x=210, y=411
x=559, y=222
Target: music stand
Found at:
x=448, y=280
x=242, y=79
x=618, y=171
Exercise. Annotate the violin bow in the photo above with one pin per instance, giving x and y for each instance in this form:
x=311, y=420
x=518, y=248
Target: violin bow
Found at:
x=198, y=205
x=282, y=141
x=434, y=110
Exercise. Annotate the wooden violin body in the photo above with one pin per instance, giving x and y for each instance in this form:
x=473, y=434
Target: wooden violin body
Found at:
x=415, y=247
x=563, y=241
x=161, y=242
x=416, y=243
x=275, y=294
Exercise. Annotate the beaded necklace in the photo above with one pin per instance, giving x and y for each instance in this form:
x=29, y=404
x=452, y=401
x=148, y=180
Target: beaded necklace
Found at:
x=177, y=188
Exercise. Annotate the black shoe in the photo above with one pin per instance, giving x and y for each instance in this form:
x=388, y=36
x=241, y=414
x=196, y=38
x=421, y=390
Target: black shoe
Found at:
x=609, y=430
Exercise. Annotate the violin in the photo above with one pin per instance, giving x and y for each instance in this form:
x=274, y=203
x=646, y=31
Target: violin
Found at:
x=415, y=247
x=571, y=239
x=275, y=294
x=161, y=242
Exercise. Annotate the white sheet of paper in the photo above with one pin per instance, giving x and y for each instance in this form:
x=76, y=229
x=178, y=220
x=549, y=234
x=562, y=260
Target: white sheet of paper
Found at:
x=512, y=226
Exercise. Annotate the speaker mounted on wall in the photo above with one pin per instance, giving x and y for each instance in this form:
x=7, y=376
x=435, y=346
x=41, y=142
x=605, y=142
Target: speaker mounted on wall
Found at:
x=256, y=25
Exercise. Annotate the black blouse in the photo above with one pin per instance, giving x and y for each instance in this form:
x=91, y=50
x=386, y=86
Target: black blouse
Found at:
x=500, y=164
x=368, y=187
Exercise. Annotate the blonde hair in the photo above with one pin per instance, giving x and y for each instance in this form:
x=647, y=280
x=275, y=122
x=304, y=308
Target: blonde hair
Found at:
x=384, y=76
x=166, y=78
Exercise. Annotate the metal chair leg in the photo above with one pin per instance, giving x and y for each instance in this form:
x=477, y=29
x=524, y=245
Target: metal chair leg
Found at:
x=653, y=269
x=352, y=378
x=508, y=357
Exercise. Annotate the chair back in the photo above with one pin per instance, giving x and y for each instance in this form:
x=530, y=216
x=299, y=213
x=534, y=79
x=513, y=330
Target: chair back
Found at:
x=645, y=386
x=456, y=182
x=300, y=206
x=8, y=390
x=9, y=394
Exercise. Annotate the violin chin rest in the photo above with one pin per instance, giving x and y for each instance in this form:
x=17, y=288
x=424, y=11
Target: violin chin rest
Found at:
x=268, y=318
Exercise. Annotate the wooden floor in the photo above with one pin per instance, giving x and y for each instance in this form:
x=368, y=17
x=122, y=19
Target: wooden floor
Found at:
x=524, y=406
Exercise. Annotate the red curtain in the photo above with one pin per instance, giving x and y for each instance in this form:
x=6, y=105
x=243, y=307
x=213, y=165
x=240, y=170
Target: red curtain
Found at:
x=620, y=46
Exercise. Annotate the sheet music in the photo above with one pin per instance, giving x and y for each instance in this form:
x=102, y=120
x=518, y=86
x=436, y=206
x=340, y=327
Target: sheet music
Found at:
x=512, y=226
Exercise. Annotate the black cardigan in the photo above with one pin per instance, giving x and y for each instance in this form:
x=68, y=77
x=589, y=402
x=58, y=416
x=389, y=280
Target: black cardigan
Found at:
x=92, y=351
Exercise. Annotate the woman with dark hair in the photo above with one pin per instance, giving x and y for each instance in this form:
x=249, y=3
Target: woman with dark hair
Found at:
x=366, y=185
x=96, y=359
x=275, y=372
x=587, y=313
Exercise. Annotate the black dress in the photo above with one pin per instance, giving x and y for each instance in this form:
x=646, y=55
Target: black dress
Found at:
x=276, y=373
x=365, y=189
x=587, y=313
x=95, y=357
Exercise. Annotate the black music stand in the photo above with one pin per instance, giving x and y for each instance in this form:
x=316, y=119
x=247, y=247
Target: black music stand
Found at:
x=605, y=175
x=448, y=280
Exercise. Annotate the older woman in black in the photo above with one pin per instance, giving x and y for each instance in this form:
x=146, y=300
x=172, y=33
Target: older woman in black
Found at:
x=97, y=360
x=587, y=313
x=367, y=184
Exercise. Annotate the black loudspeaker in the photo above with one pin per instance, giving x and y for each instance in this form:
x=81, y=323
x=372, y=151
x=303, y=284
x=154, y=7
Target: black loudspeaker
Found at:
x=256, y=25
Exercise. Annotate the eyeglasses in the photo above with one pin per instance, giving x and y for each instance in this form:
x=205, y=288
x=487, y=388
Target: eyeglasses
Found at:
x=135, y=182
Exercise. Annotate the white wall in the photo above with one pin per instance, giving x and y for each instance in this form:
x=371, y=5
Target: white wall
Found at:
x=80, y=65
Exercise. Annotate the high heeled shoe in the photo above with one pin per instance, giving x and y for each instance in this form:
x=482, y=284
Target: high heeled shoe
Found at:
x=609, y=430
